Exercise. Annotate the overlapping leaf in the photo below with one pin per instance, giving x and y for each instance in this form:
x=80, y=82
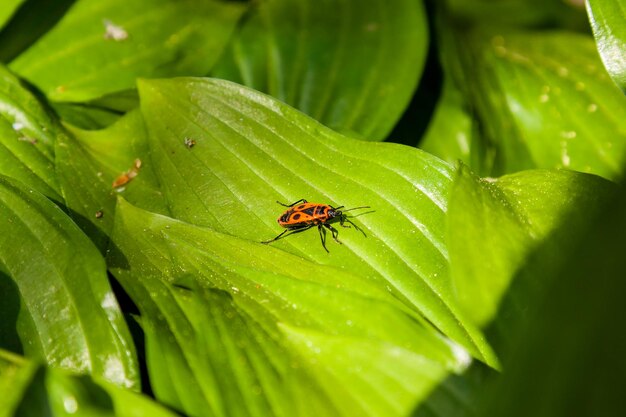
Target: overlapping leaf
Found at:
x=88, y=163
x=543, y=106
x=57, y=304
x=495, y=225
x=352, y=65
x=263, y=332
x=102, y=47
x=33, y=390
x=251, y=150
x=607, y=21
x=27, y=137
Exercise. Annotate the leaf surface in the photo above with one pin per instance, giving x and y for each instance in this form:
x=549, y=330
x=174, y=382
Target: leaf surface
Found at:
x=263, y=332
x=57, y=303
x=251, y=150
x=351, y=65
x=27, y=137
x=544, y=107
x=607, y=21
x=102, y=47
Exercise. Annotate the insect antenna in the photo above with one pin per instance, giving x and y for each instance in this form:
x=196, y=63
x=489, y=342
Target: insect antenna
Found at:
x=355, y=208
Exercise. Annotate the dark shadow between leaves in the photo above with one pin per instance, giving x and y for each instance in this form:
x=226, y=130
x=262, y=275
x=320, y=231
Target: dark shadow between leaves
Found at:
x=9, y=313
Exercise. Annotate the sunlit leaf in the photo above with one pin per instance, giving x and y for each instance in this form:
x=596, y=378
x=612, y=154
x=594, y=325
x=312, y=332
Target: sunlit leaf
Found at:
x=543, y=106
x=251, y=150
x=27, y=136
x=352, y=65
x=57, y=305
x=7, y=8
x=89, y=162
x=607, y=21
x=495, y=224
x=249, y=329
x=38, y=391
x=102, y=47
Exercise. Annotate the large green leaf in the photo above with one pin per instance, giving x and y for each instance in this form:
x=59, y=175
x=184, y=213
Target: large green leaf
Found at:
x=495, y=224
x=543, y=106
x=352, y=65
x=102, y=47
x=27, y=136
x=56, y=301
x=567, y=359
x=88, y=162
x=607, y=21
x=252, y=150
x=32, y=390
x=249, y=329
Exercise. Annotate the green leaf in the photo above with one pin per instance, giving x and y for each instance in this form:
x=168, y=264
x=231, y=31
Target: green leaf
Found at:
x=351, y=65
x=571, y=344
x=543, y=106
x=607, y=21
x=449, y=133
x=495, y=224
x=7, y=8
x=102, y=47
x=57, y=303
x=27, y=136
x=88, y=162
x=35, y=391
x=259, y=331
x=252, y=150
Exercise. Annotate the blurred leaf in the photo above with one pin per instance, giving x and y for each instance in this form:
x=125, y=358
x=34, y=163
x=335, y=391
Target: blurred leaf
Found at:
x=55, y=295
x=543, y=106
x=248, y=329
x=85, y=116
x=568, y=357
x=458, y=395
x=7, y=8
x=495, y=224
x=38, y=391
x=88, y=162
x=607, y=21
x=449, y=133
x=27, y=136
x=562, y=13
x=102, y=47
x=28, y=23
x=351, y=65
x=252, y=150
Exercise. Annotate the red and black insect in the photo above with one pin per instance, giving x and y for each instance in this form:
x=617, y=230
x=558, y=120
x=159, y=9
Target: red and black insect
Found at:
x=303, y=215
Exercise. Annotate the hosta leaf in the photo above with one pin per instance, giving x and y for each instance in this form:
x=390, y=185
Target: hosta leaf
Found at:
x=102, y=47
x=495, y=224
x=251, y=150
x=352, y=65
x=27, y=136
x=57, y=303
x=607, y=21
x=37, y=391
x=571, y=344
x=88, y=162
x=249, y=323
x=449, y=133
x=543, y=106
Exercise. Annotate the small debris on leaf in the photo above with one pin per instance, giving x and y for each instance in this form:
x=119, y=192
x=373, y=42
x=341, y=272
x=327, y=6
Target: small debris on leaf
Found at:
x=114, y=32
x=190, y=143
x=127, y=176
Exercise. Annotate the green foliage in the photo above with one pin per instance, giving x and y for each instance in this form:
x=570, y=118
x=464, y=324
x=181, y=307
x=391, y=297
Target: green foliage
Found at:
x=143, y=147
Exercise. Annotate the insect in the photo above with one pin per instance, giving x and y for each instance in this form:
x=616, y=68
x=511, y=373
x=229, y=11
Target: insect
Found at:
x=303, y=215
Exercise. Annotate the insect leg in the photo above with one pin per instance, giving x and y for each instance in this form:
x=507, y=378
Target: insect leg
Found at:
x=345, y=219
x=322, y=236
x=288, y=234
x=333, y=231
x=292, y=204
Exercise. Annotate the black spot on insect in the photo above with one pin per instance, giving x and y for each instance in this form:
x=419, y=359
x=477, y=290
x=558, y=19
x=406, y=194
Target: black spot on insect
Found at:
x=296, y=216
x=320, y=209
x=300, y=207
x=310, y=211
